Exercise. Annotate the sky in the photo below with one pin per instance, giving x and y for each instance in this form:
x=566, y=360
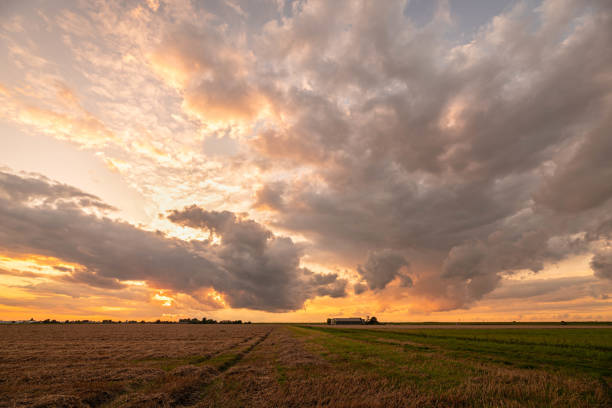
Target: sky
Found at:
x=285, y=161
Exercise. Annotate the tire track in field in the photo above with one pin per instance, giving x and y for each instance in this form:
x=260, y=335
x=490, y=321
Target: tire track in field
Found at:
x=228, y=364
x=221, y=351
x=200, y=359
x=195, y=395
x=191, y=393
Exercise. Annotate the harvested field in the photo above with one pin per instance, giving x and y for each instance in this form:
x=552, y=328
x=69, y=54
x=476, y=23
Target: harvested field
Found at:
x=115, y=365
x=294, y=366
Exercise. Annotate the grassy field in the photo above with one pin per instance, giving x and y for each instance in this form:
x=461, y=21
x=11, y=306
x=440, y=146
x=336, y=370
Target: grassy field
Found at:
x=303, y=365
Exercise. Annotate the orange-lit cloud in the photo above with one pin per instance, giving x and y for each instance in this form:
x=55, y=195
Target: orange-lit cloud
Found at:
x=86, y=129
x=222, y=102
x=166, y=300
x=312, y=160
x=210, y=73
x=75, y=124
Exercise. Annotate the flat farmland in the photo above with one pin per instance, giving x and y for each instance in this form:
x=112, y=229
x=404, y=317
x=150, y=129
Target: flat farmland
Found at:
x=149, y=365
x=117, y=365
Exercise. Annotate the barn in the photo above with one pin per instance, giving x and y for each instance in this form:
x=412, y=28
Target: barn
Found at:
x=346, y=320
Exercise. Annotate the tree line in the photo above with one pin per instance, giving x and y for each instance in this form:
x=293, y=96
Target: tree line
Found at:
x=193, y=320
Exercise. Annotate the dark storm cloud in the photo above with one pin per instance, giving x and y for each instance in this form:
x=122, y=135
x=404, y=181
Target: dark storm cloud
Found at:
x=328, y=285
x=589, y=170
x=24, y=274
x=602, y=264
x=552, y=288
x=359, y=288
x=107, y=247
x=251, y=266
x=270, y=197
x=382, y=267
x=471, y=160
x=263, y=267
x=92, y=279
x=318, y=129
x=29, y=187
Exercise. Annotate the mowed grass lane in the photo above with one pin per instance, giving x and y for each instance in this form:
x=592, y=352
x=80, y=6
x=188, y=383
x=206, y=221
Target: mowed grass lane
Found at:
x=478, y=367
x=570, y=350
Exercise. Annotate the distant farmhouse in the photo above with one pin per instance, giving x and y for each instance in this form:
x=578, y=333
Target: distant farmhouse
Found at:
x=346, y=320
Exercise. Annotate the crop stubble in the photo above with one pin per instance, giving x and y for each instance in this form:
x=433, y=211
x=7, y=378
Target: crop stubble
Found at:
x=295, y=366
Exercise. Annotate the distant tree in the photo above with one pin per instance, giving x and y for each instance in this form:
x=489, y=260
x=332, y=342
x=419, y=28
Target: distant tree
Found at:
x=231, y=322
x=372, y=320
x=328, y=320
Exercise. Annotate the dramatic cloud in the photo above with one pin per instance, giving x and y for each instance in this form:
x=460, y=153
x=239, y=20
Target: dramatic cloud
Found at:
x=251, y=267
x=212, y=74
x=557, y=289
x=22, y=189
x=589, y=169
x=265, y=268
x=426, y=161
x=467, y=158
x=270, y=197
x=382, y=267
x=602, y=264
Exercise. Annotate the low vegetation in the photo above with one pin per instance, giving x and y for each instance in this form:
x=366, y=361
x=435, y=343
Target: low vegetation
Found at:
x=257, y=365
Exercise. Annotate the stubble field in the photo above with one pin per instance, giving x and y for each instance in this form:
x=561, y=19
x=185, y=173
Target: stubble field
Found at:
x=300, y=365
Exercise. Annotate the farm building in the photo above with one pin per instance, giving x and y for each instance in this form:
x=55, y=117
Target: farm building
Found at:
x=346, y=320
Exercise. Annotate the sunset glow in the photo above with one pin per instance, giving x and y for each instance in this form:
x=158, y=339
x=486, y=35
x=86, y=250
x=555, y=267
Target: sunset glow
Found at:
x=283, y=161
